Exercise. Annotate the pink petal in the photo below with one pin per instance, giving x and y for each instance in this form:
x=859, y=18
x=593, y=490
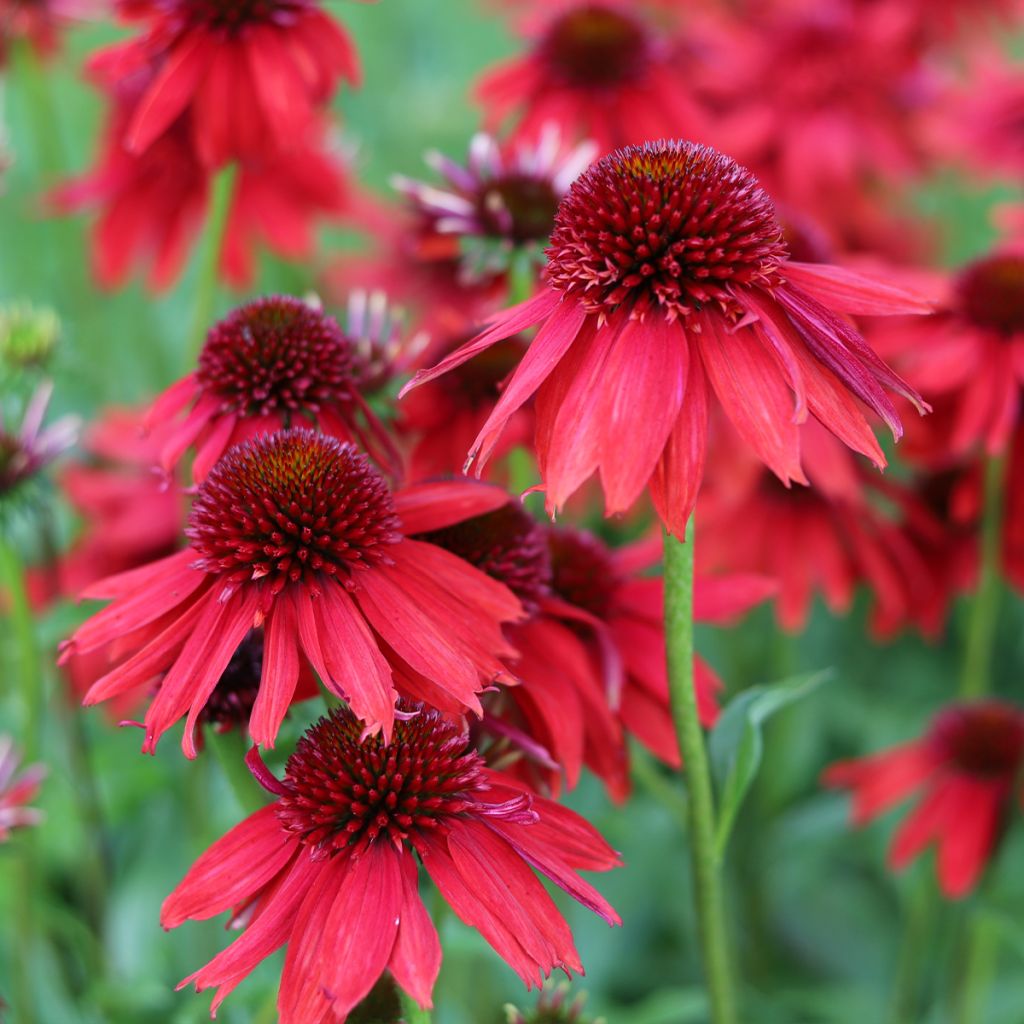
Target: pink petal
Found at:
x=435, y=505
x=846, y=291
x=279, y=675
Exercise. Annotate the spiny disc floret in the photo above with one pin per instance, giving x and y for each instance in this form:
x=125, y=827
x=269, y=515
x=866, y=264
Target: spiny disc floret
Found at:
x=991, y=293
x=508, y=544
x=669, y=225
x=277, y=355
x=292, y=507
x=984, y=739
x=345, y=792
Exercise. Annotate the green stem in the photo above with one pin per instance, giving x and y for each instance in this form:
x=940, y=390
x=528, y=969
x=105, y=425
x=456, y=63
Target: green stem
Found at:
x=707, y=883
x=919, y=912
x=230, y=749
x=978, y=971
x=976, y=678
x=206, y=290
x=411, y=1012
x=35, y=78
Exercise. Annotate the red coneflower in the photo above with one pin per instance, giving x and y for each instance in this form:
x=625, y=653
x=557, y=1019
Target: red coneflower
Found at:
x=967, y=765
x=272, y=363
x=498, y=209
x=560, y=703
x=668, y=277
x=250, y=77
x=619, y=613
x=598, y=69
x=17, y=790
x=972, y=350
x=40, y=23
x=330, y=868
x=297, y=533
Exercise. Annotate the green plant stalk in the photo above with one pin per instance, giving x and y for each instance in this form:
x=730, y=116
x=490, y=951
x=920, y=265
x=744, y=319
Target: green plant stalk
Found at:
x=206, y=288
x=707, y=883
x=411, y=1012
x=919, y=913
x=976, y=675
x=971, y=998
x=230, y=749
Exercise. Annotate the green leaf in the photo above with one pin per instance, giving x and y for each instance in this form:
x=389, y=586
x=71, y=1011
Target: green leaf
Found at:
x=735, y=745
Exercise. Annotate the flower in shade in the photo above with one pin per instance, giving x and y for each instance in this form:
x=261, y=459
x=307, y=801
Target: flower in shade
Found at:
x=619, y=612
x=555, y=1005
x=849, y=527
x=1013, y=535
x=272, y=363
x=26, y=451
x=250, y=77
x=499, y=208
x=16, y=791
x=330, y=868
x=668, y=281
x=598, y=69
x=297, y=533
x=966, y=768
x=559, y=714
x=971, y=350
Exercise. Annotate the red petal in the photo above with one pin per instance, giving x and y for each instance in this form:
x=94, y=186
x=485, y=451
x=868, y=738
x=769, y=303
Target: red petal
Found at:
x=846, y=291
x=279, y=675
x=433, y=506
x=416, y=958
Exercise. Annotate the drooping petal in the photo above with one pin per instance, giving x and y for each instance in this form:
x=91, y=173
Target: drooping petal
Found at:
x=278, y=676
x=846, y=291
x=437, y=504
x=416, y=958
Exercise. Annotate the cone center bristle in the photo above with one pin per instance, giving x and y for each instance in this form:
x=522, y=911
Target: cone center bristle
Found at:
x=672, y=226
x=233, y=15
x=518, y=207
x=290, y=507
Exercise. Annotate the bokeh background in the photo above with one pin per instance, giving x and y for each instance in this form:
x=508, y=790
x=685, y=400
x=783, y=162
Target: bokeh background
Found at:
x=820, y=923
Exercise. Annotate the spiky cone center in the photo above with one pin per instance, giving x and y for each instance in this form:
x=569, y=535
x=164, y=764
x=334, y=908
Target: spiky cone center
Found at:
x=344, y=792
x=233, y=16
x=582, y=571
x=984, y=740
x=666, y=226
x=517, y=206
x=292, y=507
x=595, y=45
x=991, y=293
x=508, y=544
x=277, y=355
x=231, y=702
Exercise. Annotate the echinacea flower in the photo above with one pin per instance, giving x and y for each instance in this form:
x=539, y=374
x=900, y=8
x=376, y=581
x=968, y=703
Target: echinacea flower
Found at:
x=297, y=533
x=559, y=705
x=16, y=791
x=598, y=69
x=668, y=280
x=26, y=451
x=555, y=1005
x=971, y=350
x=500, y=207
x=330, y=868
x=250, y=78
x=272, y=363
x=966, y=767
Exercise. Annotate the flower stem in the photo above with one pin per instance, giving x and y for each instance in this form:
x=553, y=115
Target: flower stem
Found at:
x=978, y=969
x=975, y=679
x=230, y=748
x=919, y=912
x=707, y=883
x=206, y=289
x=411, y=1011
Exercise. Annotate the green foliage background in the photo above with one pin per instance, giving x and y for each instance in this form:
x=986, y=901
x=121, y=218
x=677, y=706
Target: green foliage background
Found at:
x=818, y=919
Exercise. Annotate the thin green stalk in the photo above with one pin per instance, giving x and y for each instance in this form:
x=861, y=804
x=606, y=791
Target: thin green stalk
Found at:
x=979, y=966
x=206, y=290
x=919, y=914
x=230, y=749
x=707, y=883
x=411, y=1012
x=976, y=677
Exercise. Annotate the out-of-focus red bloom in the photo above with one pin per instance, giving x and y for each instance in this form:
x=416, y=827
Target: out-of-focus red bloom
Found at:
x=599, y=69
x=824, y=102
x=668, y=279
x=270, y=364
x=499, y=208
x=41, y=23
x=16, y=791
x=560, y=705
x=330, y=868
x=249, y=78
x=296, y=533
x=828, y=537
x=971, y=350
x=443, y=418
x=967, y=766
x=619, y=612
x=1013, y=529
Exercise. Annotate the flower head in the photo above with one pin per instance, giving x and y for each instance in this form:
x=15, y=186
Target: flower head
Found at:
x=330, y=867
x=17, y=790
x=297, y=533
x=967, y=766
x=28, y=335
x=501, y=206
x=668, y=279
x=272, y=363
x=554, y=1006
x=597, y=69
